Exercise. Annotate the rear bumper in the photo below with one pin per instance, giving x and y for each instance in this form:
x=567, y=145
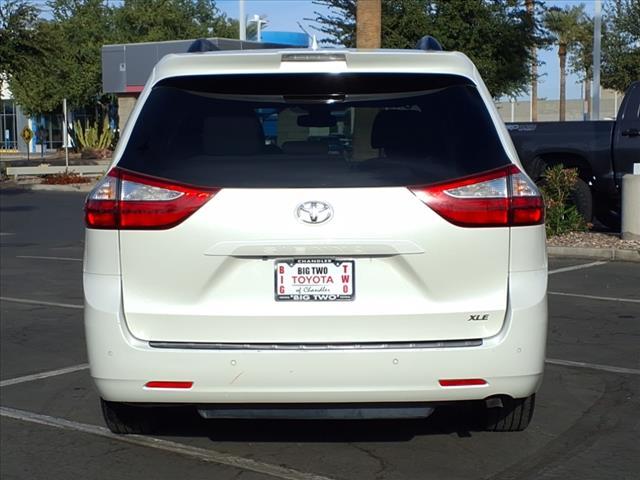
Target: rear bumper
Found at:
x=511, y=362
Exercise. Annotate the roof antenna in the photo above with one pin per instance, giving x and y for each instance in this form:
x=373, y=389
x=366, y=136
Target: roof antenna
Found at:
x=312, y=38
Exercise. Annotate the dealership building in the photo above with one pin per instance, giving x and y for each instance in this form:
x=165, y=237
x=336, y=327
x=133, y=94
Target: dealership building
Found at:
x=126, y=67
x=12, y=119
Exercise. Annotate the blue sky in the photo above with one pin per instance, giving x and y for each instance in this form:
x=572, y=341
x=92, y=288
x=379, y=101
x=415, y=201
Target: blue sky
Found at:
x=283, y=15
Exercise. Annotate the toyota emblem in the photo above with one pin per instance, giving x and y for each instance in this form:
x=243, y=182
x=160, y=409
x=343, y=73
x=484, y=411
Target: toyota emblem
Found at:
x=314, y=212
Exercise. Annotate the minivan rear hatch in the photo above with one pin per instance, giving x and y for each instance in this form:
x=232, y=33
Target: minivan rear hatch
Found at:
x=312, y=232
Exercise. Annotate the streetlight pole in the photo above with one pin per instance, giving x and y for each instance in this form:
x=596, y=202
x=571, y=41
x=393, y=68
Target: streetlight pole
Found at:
x=533, y=101
x=597, y=30
x=65, y=134
x=242, y=20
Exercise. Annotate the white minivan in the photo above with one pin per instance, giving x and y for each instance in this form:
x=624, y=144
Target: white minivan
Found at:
x=315, y=234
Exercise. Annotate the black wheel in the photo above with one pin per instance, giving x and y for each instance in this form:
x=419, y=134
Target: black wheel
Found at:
x=513, y=416
x=582, y=199
x=123, y=418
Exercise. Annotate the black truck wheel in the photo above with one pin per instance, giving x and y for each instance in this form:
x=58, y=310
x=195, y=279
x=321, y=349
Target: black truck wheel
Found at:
x=582, y=199
x=122, y=418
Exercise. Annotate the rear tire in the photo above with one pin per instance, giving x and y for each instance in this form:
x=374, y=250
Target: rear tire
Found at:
x=582, y=199
x=514, y=415
x=122, y=418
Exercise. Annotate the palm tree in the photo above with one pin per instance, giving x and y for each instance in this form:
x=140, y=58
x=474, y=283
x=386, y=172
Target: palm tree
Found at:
x=564, y=27
x=368, y=23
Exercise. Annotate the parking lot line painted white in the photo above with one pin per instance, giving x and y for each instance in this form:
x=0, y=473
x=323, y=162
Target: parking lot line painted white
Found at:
x=38, y=302
x=39, y=376
x=576, y=267
x=6, y=234
x=63, y=259
x=595, y=297
x=202, y=454
x=593, y=366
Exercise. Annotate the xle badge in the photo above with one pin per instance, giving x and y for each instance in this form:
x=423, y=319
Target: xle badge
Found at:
x=478, y=318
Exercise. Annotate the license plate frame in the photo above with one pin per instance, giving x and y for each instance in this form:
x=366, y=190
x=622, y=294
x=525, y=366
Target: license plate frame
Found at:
x=312, y=292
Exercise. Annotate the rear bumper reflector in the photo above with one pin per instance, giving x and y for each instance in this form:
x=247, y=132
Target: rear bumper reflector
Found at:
x=462, y=382
x=475, y=342
x=165, y=384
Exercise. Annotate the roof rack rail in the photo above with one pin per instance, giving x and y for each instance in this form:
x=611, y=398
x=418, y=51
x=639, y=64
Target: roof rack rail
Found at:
x=429, y=43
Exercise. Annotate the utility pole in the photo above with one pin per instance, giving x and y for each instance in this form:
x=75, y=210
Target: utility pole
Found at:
x=242, y=20
x=597, y=30
x=533, y=110
x=368, y=23
x=368, y=35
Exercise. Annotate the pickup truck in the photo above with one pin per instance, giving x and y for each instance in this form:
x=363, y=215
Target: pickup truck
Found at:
x=602, y=151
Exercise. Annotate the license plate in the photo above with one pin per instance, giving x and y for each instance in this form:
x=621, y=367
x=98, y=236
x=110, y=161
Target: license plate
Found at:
x=315, y=280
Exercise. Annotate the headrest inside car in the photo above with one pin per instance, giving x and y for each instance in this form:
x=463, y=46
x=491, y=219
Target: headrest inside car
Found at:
x=399, y=131
x=233, y=133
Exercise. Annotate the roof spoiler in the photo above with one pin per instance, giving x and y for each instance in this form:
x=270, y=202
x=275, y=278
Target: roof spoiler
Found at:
x=429, y=43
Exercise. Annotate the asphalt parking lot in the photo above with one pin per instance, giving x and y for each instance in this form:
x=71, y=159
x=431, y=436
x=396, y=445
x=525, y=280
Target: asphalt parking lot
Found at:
x=586, y=425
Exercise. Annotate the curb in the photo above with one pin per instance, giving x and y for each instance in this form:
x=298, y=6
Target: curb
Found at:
x=597, y=253
x=79, y=187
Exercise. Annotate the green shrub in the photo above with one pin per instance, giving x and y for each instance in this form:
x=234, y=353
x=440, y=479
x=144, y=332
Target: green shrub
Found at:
x=93, y=137
x=558, y=183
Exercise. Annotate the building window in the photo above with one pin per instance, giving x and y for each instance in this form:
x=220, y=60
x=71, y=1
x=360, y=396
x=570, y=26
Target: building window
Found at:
x=48, y=130
x=8, y=126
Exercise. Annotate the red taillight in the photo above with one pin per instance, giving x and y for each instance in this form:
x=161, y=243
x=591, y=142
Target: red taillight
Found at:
x=462, y=382
x=101, y=213
x=129, y=201
x=165, y=384
x=499, y=198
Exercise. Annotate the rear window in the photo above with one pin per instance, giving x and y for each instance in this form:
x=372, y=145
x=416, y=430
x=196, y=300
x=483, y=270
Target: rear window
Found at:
x=313, y=130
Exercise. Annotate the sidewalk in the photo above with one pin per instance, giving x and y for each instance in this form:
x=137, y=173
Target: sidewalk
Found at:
x=623, y=255
x=597, y=245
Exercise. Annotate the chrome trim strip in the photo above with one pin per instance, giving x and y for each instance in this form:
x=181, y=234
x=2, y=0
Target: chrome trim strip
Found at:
x=475, y=342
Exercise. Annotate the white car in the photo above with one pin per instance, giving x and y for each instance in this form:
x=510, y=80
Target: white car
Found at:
x=315, y=234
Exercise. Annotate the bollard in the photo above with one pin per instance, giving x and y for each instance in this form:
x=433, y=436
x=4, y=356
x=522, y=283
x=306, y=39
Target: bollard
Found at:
x=631, y=207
